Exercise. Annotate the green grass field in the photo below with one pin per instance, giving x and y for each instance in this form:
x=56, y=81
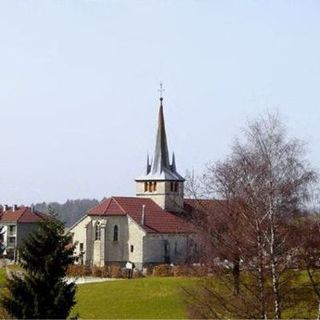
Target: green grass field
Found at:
x=146, y=298
x=161, y=298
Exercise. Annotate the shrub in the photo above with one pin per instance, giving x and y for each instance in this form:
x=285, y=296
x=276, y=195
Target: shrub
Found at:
x=115, y=271
x=137, y=274
x=96, y=272
x=105, y=272
x=77, y=271
x=162, y=270
x=181, y=271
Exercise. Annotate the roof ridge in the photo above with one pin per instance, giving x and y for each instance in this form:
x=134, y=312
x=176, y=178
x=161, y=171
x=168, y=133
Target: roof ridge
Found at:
x=109, y=202
x=124, y=211
x=22, y=213
x=98, y=204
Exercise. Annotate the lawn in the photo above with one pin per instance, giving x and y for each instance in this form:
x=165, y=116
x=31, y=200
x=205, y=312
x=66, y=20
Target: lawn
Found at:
x=2, y=277
x=145, y=298
x=161, y=298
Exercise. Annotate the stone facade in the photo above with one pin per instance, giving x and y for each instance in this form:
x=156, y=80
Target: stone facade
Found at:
x=142, y=229
x=133, y=243
x=168, y=194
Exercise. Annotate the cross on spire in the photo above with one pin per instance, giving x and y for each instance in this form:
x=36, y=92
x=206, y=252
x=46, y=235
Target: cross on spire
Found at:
x=161, y=90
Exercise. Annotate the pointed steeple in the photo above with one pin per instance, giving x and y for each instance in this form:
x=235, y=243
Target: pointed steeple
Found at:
x=148, y=165
x=159, y=168
x=161, y=153
x=173, y=163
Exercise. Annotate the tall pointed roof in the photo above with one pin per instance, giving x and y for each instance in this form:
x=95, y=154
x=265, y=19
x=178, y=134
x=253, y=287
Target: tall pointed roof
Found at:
x=160, y=168
x=161, y=153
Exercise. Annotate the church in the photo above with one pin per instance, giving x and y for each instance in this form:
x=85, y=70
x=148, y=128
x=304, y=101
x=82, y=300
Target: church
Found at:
x=145, y=229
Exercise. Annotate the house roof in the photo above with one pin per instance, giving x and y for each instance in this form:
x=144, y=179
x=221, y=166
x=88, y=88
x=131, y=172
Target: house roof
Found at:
x=209, y=205
x=22, y=215
x=156, y=220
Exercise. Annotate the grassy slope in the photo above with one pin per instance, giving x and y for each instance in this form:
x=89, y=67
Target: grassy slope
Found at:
x=156, y=298
x=159, y=298
x=3, y=276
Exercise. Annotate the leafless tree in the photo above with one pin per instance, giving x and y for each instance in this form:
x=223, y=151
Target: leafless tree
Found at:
x=262, y=187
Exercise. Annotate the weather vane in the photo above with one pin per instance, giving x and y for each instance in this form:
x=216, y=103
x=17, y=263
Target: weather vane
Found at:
x=161, y=90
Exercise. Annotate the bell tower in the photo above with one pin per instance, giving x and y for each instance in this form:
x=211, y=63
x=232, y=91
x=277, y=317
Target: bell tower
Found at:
x=161, y=181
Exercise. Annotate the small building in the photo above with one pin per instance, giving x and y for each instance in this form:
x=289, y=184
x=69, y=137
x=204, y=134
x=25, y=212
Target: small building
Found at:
x=146, y=229
x=17, y=222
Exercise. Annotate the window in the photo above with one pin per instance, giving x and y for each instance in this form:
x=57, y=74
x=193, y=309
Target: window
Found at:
x=131, y=248
x=98, y=231
x=12, y=240
x=115, y=233
x=150, y=186
x=81, y=247
x=12, y=229
x=176, y=186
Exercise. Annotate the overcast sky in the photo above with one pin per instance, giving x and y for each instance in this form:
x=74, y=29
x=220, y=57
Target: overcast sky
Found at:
x=79, y=87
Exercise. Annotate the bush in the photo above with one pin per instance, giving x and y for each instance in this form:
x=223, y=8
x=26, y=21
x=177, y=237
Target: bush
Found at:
x=181, y=271
x=162, y=270
x=199, y=271
x=76, y=271
x=96, y=271
x=189, y=271
x=116, y=272
x=105, y=272
x=137, y=274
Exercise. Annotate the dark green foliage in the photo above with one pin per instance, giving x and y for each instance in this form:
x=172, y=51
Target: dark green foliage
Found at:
x=42, y=292
x=2, y=247
x=70, y=211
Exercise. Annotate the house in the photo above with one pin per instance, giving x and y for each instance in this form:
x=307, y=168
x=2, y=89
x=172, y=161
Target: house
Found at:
x=145, y=229
x=17, y=222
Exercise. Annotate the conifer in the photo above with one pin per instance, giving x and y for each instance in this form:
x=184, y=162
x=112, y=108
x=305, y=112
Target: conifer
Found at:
x=41, y=291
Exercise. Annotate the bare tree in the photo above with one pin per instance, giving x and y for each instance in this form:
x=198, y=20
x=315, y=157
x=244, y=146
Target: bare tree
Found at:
x=263, y=185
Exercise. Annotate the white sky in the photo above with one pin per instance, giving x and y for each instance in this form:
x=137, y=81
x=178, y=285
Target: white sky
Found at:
x=79, y=81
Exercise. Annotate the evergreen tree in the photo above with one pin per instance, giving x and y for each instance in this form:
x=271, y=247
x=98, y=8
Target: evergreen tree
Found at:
x=2, y=246
x=42, y=292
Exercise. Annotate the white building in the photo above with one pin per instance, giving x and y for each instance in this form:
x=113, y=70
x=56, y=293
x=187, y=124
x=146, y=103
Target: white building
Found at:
x=145, y=229
x=17, y=223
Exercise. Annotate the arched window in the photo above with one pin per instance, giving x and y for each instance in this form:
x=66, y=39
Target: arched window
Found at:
x=176, y=186
x=97, y=231
x=155, y=186
x=145, y=186
x=115, y=233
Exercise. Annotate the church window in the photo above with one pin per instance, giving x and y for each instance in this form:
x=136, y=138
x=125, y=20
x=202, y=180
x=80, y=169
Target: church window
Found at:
x=97, y=231
x=154, y=186
x=176, y=187
x=115, y=233
x=131, y=248
x=171, y=186
x=145, y=186
x=150, y=186
x=81, y=247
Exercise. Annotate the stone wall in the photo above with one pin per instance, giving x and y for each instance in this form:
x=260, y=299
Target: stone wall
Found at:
x=165, y=248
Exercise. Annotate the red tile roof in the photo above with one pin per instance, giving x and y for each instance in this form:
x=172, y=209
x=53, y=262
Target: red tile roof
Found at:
x=22, y=215
x=156, y=219
x=209, y=205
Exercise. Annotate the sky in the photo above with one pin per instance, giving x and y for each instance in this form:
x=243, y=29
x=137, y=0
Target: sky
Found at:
x=79, y=87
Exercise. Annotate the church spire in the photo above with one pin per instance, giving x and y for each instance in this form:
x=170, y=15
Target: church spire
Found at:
x=173, y=163
x=161, y=153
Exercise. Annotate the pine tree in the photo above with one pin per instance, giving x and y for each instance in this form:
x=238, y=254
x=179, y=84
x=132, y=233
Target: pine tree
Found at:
x=42, y=292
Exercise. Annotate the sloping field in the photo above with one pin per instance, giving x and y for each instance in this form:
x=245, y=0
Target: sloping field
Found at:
x=145, y=298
